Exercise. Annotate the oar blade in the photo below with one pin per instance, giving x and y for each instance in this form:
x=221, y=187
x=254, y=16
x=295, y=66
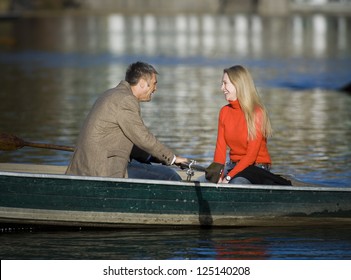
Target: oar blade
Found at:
x=9, y=142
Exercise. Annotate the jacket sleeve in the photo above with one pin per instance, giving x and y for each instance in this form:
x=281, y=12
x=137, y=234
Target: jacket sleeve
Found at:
x=132, y=125
x=253, y=148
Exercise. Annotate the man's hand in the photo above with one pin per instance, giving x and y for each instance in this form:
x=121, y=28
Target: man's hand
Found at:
x=180, y=160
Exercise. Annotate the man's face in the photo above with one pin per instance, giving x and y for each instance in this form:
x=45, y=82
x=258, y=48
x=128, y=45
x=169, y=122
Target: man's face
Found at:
x=149, y=87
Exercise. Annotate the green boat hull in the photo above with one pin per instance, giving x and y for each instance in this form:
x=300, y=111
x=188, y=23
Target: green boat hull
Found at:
x=50, y=199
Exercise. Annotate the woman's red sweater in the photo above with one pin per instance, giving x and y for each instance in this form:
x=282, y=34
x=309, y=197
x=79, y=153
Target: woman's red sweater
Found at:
x=232, y=132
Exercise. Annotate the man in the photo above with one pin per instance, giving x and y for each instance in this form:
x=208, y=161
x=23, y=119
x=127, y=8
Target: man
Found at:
x=114, y=126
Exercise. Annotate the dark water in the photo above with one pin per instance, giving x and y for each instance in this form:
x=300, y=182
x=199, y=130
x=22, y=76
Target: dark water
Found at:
x=179, y=244
x=53, y=68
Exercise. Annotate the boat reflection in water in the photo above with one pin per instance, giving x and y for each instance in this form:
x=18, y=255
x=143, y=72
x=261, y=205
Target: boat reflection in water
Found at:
x=246, y=244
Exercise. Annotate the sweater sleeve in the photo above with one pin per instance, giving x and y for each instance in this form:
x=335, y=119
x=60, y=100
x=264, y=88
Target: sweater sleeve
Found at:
x=253, y=147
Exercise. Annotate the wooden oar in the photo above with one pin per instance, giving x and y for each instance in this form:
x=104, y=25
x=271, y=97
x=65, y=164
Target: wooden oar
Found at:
x=10, y=142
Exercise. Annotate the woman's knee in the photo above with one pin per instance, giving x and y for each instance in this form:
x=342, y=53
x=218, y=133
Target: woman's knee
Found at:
x=240, y=181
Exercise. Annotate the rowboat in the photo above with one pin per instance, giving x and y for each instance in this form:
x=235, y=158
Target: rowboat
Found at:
x=43, y=195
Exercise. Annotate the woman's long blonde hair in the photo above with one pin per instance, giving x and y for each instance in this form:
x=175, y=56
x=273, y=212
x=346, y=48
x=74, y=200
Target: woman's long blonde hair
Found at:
x=249, y=100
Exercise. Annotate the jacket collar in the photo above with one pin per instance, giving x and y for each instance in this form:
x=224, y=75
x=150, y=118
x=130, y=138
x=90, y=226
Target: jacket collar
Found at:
x=126, y=84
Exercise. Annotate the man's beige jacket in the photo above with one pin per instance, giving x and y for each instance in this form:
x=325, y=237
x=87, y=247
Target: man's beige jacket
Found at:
x=112, y=127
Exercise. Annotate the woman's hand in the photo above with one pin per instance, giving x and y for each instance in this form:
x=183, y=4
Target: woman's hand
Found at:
x=222, y=181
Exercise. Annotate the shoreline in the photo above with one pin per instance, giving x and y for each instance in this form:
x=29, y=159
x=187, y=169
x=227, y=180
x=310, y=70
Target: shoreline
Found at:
x=73, y=12
x=160, y=7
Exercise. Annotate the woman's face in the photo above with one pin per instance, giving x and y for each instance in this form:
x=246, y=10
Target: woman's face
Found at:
x=228, y=88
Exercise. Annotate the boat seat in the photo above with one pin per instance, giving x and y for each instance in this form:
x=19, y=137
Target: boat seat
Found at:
x=33, y=168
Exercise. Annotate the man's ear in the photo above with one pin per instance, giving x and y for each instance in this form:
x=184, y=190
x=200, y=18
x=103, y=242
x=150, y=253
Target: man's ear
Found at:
x=142, y=82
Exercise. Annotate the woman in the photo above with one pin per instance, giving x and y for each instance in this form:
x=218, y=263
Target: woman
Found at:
x=243, y=126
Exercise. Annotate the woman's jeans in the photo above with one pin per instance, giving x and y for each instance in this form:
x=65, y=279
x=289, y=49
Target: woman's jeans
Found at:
x=237, y=180
x=137, y=170
x=228, y=167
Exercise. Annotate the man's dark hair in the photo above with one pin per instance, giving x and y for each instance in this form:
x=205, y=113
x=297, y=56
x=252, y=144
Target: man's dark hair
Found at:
x=139, y=70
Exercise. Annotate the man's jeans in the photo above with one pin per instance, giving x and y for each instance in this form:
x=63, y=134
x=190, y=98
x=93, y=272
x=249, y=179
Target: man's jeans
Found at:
x=137, y=170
